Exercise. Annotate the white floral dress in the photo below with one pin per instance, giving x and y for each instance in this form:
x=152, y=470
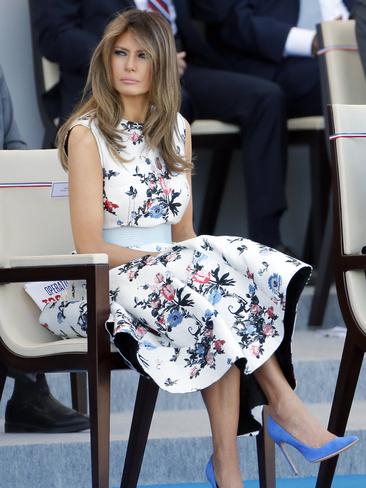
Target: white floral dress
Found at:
x=186, y=316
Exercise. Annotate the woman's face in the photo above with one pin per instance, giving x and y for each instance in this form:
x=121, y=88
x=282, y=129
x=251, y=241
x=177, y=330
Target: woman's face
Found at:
x=131, y=67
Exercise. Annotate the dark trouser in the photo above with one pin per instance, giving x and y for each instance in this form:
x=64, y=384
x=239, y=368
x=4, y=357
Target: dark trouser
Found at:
x=258, y=107
x=20, y=376
x=299, y=79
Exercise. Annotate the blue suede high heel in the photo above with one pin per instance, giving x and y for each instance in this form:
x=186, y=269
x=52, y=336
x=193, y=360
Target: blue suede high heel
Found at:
x=312, y=454
x=210, y=474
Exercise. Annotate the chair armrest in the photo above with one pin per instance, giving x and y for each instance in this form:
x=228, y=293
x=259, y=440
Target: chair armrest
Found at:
x=58, y=260
x=53, y=267
x=91, y=267
x=349, y=262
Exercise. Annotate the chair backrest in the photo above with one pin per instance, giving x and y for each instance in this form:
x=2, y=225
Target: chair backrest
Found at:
x=341, y=75
x=33, y=221
x=50, y=73
x=349, y=149
x=343, y=79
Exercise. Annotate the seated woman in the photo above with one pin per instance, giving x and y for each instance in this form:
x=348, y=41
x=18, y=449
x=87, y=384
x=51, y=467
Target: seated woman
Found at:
x=193, y=313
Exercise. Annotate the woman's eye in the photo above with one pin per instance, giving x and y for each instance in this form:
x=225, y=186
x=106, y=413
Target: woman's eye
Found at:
x=120, y=52
x=142, y=55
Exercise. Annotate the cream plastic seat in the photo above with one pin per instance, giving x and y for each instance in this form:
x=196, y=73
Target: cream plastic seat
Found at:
x=35, y=245
x=33, y=223
x=314, y=122
x=348, y=144
x=343, y=81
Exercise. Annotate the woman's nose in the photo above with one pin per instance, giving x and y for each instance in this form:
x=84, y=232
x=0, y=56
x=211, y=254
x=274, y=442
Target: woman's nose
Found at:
x=130, y=64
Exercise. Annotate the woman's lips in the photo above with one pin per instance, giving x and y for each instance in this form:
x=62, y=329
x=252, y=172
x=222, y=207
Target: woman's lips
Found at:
x=129, y=81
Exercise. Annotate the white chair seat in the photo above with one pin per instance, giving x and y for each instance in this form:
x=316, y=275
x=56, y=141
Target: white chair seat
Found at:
x=59, y=346
x=306, y=123
x=207, y=127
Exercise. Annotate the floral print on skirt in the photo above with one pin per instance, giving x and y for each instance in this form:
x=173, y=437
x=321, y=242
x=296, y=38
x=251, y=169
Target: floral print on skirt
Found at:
x=201, y=306
x=187, y=315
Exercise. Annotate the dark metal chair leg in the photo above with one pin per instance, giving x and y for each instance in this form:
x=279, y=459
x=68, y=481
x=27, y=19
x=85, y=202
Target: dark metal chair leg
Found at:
x=3, y=375
x=99, y=375
x=79, y=392
x=99, y=398
x=320, y=190
x=325, y=275
x=349, y=371
x=215, y=189
x=266, y=457
x=142, y=415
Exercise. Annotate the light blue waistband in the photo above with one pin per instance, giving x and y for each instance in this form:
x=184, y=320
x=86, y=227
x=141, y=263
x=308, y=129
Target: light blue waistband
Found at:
x=138, y=236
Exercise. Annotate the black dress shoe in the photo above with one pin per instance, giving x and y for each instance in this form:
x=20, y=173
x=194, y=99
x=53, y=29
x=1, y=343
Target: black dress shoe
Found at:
x=32, y=408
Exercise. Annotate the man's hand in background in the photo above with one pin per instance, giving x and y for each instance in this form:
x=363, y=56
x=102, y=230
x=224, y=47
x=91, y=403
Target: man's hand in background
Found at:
x=182, y=65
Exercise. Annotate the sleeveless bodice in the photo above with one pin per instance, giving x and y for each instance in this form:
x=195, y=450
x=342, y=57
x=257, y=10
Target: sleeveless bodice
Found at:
x=140, y=192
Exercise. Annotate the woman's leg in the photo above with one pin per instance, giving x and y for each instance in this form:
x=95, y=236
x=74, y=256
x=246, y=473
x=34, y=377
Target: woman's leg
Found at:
x=222, y=400
x=287, y=409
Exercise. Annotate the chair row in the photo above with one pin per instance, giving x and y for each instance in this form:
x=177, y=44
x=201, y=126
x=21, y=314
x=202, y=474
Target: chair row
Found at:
x=37, y=250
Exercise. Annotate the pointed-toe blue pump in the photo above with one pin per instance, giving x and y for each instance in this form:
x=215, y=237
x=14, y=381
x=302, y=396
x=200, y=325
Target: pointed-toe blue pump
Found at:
x=312, y=454
x=210, y=474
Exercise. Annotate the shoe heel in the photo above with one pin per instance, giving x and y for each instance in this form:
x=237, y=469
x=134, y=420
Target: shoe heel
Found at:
x=288, y=459
x=210, y=474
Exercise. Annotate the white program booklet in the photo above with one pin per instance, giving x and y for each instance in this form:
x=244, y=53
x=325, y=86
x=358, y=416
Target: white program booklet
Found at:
x=43, y=292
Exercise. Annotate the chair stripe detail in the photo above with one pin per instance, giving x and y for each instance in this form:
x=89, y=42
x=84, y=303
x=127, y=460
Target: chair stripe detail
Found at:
x=34, y=184
x=348, y=135
x=340, y=47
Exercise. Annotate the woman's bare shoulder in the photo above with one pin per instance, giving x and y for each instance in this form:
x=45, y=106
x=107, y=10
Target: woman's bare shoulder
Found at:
x=83, y=146
x=81, y=135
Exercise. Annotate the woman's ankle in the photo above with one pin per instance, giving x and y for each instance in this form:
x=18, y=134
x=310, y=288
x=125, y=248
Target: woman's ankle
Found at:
x=227, y=467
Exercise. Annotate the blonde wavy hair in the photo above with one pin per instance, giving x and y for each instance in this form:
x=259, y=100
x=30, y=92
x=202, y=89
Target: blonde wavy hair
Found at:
x=103, y=102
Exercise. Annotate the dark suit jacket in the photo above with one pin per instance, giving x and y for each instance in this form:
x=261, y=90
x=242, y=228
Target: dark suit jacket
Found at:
x=254, y=32
x=69, y=30
x=9, y=133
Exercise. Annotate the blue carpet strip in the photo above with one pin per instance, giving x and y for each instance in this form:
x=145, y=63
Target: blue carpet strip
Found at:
x=339, y=482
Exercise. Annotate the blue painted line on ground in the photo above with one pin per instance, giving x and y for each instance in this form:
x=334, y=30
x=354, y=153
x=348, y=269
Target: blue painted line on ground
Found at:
x=356, y=481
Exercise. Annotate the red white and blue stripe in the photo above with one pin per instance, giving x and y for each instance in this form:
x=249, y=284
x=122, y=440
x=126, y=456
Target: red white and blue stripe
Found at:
x=347, y=135
x=32, y=184
x=337, y=47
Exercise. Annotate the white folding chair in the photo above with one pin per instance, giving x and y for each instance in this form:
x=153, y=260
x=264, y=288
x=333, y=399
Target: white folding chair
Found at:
x=35, y=245
x=348, y=131
x=343, y=81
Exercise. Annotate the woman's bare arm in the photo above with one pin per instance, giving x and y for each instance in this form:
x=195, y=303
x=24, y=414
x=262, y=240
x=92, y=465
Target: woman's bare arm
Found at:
x=184, y=228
